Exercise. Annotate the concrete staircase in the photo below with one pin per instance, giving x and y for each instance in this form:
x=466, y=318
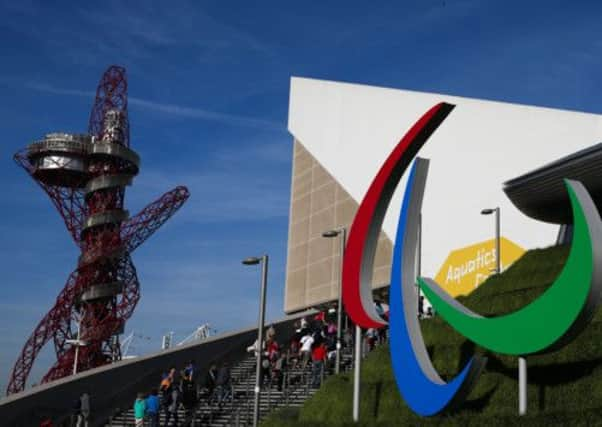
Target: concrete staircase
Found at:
x=237, y=410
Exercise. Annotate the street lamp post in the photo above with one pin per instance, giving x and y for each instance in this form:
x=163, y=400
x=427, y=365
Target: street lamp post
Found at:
x=357, y=374
x=522, y=386
x=419, y=265
x=342, y=233
x=77, y=343
x=522, y=361
x=264, y=278
x=498, y=258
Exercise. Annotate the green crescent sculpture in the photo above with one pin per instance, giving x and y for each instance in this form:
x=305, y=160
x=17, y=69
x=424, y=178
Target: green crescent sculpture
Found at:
x=559, y=314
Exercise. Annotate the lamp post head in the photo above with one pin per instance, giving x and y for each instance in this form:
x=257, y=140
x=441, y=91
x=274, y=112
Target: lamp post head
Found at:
x=487, y=211
x=331, y=233
x=79, y=343
x=251, y=260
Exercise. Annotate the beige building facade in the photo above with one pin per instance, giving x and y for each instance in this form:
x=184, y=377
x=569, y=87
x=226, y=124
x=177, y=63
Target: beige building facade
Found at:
x=318, y=204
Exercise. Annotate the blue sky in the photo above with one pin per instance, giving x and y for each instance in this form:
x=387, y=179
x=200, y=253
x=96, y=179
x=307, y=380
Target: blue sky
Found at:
x=208, y=87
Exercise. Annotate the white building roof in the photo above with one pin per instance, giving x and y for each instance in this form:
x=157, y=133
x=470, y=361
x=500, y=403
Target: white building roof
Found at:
x=351, y=129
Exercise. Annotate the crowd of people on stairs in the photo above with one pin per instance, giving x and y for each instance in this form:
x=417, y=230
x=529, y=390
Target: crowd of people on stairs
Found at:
x=180, y=390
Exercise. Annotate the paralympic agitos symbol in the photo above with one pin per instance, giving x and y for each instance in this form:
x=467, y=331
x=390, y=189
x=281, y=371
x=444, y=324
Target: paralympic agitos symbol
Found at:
x=546, y=324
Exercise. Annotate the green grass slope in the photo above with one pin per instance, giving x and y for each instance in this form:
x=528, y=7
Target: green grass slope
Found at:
x=564, y=388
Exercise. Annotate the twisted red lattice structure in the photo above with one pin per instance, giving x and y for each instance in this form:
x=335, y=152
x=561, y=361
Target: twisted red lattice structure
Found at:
x=85, y=177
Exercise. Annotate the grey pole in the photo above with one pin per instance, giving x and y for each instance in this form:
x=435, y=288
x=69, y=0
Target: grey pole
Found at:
x=77, y=342
x=419, y=264
x=264, y=280
x=498, y=255
x=419, y=249
x=341, y=232
x=356, y=374
x=337, y=366
x=79, y=328
x=522, y=386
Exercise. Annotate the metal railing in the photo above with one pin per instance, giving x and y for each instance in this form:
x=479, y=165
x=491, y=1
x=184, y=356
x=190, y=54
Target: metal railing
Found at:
x=295, y=383
x=241, y=377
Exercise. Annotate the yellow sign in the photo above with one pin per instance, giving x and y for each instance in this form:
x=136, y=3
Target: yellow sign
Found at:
x=466, y=268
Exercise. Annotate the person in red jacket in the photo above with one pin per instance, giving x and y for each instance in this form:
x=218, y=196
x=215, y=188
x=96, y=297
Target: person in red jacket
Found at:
x=272, y=350
x=318, y=356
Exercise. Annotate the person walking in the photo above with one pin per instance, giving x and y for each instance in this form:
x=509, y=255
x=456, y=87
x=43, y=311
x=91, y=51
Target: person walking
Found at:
x=152, y=408
x=190, y=371
x=293, y=352
x=223, y=383
x=84, y=410
x=166, y=395
x=76, y=412
x=254, y=348
x=371, y=336
x=193, y=374
x=318, y=356
x=270, y=333
x=306, y=342
x=265, y=371
x=278, y=371
x=304, y=324
x=172, y=407
x=188, y=393
x=172, y=376
x=272, y=350
x=332, y=329
x=139, y=410
x=210, y=380
x=348, y=338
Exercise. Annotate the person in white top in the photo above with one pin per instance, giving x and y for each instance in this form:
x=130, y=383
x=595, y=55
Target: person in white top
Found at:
x=253, y=348
x=304, y=323
x=306, y=343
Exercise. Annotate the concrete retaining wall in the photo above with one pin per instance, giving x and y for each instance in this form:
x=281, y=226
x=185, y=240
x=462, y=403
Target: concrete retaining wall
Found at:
x=116, y=385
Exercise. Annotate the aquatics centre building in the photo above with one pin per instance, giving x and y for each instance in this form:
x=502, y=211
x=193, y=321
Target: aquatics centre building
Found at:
x=486, y=154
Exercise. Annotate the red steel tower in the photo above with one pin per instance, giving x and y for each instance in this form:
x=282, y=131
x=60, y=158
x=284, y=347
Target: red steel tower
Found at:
x=85, y=177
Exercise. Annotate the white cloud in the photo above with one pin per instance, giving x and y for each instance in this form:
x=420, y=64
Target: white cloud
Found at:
x=44, y=87
x=171, y=109
x=200, y=113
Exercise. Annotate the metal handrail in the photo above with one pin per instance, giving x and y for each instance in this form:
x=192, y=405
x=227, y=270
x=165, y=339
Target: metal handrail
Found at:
x=289, y=389
x=119, y=410
x=240, y=378
x=238, y=418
